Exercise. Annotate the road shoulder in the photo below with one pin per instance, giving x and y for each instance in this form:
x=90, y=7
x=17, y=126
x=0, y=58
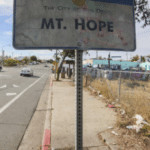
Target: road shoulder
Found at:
x=32, y=139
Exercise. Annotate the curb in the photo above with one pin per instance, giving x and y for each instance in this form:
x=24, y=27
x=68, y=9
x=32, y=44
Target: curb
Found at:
x=46, y=142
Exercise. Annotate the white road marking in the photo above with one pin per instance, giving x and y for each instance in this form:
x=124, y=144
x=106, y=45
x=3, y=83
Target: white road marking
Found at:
x=15, y=98
x=11, y=94
x=5, y=75
x=15, y=85
x=4, y=86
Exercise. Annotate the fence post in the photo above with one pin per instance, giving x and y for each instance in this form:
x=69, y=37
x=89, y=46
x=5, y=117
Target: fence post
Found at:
x=86, y=79
x=119, y=85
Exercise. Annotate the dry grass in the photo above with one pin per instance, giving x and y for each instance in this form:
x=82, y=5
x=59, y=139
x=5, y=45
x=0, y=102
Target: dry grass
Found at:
x=134, y=96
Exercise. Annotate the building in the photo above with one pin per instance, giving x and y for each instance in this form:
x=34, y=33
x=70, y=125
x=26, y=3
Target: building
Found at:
x=145, y=65
x=147, y=59
x=124, y=64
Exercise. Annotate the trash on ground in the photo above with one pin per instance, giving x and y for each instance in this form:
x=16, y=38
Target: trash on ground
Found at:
x=114, y=133
x=139, y=123
x=117, y=100
x=135, y=127
x=93, y=90
x=90, y=87
x=145, y=122
x=139, y=119
x=122, y=112
x=111, y=106
x=110, y=127
x=100, y=96
x=118, y=106
x=99, y=93
x=113, y=103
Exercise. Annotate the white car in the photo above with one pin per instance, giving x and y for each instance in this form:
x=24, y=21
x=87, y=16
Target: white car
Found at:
x=45, y=65
x=26, y=71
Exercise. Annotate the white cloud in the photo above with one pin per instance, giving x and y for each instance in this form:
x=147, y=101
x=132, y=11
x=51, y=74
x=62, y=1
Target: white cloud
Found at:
x=43, y=52
x=9, y=21
x=8, y=33
x=45, y=57
x=6, y=3
x=6, y=7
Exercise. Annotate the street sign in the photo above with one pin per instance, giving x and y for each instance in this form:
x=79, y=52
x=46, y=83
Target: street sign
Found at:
x=74, y=24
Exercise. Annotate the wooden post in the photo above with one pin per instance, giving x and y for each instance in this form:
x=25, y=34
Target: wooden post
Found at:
x=69, y=74
x=86, y=80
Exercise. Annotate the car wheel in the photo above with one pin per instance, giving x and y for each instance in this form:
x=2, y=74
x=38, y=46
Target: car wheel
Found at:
x=20, y=74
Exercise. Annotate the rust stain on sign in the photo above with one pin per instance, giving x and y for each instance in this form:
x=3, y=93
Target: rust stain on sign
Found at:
x=79, y=2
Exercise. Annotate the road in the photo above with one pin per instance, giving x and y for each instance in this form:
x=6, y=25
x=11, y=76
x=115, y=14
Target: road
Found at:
x=19, y=97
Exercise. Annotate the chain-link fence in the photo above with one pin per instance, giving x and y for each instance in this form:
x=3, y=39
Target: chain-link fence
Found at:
x=127, y=87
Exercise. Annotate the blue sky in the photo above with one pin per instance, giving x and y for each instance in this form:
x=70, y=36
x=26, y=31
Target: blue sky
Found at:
x=6, y=15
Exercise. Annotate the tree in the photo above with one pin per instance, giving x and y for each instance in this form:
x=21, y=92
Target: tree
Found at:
x=135, y=58
x=26, y=60
x=39, y=60
x=58, y=56
x=51, y=60
x=100, y=58
x=143, y=59
x=141, y=12
x=33, y=58
x=64, y=54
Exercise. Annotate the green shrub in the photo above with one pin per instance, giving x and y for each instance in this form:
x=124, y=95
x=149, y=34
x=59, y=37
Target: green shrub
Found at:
x=11, y=62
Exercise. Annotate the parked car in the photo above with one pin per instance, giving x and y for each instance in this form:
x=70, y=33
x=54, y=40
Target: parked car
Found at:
x=45, y=65
x=34, y=63
x=26, y=71
x=0, y=68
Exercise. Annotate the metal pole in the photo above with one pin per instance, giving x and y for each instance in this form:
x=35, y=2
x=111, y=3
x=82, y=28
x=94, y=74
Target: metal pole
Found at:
x=97, y=54
x=119, y=85
x=55, y=64
x=109, y=60
x=3, y=57
x=78, y=88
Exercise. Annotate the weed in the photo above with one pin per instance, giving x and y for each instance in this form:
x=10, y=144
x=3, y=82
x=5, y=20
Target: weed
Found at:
x=134, y=95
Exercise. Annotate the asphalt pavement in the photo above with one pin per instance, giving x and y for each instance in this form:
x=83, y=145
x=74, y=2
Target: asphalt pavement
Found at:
x=19, y=97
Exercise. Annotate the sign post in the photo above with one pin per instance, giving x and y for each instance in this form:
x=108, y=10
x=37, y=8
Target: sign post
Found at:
x=75, y=24
x=79, y=100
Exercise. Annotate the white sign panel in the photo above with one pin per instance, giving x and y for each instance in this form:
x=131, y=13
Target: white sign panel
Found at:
x=74, y=24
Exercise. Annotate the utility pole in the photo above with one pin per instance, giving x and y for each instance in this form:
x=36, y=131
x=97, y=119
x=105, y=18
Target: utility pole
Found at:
x=97, y=54
x=12, y=54
x=3, y=51
x=109, y=60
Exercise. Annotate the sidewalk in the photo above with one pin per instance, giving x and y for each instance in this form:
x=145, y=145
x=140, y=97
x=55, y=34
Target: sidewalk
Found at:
x=96, y=119
x=52, y=126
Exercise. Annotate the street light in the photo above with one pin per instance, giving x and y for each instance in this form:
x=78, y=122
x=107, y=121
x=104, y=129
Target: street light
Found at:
x=2, y=61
